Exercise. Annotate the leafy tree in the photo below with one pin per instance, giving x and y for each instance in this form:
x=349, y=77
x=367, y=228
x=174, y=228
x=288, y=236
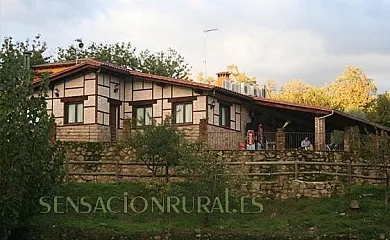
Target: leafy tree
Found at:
x=350, y=92
x=235, y=76
x=37, y=48
x=353, y=90
x=159, y=146
x=122, y=54
x=165, y=63
x=270, y=85
x=169, y=63
x=28, y=166
x=357, y=113
x=299, y=92
x=200, y=78
x=238, y=76
x=379, y=110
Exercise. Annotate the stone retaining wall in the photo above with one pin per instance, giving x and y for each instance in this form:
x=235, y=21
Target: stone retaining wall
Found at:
x=268, y=185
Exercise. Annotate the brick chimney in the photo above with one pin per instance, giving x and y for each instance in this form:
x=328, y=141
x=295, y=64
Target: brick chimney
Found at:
x=222, y=76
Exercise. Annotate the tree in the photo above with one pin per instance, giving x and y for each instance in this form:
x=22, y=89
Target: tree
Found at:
x=122, y=54
x=357, y=113
x=299, y=92
x=165, y=63
x=270, y=85
x=28, y=166
x=353, y=90
x=169, y=63
x=159, y=146
x=379, y=110
x=37, y=48
x=200, y=78
x=238, y=76
x=235, y=76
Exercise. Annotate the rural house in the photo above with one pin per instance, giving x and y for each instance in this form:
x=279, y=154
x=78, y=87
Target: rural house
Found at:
x=93, y=100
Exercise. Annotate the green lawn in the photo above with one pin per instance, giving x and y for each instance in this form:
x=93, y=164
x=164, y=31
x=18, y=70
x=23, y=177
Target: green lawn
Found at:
x=328, y=218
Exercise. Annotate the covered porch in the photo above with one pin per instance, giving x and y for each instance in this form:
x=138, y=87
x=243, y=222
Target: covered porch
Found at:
x=286, y=125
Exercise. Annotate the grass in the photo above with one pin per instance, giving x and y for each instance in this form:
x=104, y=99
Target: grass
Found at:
x=293, y=218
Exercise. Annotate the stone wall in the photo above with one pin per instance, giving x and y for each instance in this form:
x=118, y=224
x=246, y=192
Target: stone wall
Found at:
x=266, y=180
x=101, y=152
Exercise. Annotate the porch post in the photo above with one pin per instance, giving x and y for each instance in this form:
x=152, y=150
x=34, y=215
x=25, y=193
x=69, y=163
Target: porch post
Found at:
x=280, y=139
x=319, y=133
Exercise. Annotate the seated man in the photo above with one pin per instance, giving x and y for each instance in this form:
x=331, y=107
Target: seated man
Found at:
x=305, y=144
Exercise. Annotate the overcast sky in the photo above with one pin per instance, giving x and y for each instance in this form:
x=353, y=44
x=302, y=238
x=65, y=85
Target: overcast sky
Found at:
x=313, y=40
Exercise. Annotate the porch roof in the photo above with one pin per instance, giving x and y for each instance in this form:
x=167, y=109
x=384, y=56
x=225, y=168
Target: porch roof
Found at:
x=305, y=114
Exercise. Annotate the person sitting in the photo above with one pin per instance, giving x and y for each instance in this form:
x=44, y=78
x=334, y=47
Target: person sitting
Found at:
x=306, y=144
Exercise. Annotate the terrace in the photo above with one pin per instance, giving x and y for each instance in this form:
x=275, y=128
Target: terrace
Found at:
x=275, y=140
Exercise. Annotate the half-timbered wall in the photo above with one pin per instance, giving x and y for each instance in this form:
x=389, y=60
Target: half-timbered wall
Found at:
x=110, y=87
x=237, y=122
x=138, y=90
x=99, y=90
x=76, y=86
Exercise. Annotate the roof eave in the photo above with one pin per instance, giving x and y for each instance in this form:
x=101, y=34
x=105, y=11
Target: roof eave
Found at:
x=293, y=107
x=232, y=93
x=375, y=125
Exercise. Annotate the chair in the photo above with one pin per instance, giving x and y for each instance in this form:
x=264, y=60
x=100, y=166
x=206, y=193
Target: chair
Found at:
x=270, y=144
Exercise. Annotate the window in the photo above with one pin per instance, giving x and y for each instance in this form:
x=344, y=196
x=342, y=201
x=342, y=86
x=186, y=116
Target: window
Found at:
x=143, y=115
x=224, y=115
x=183, y=112
x=74, y=112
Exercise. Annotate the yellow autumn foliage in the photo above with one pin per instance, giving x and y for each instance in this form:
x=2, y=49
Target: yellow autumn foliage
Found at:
x=299, y=92
x=352, y=91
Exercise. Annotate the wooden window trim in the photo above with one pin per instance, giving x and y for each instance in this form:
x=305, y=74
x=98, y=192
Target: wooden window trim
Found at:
x=184, y=113
x=134, y=113
x=114, y=101
x=66, y=113
x=223, y=105
x=182, y=99
x=142, y=103
x=223, y=102
x=74, y=99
